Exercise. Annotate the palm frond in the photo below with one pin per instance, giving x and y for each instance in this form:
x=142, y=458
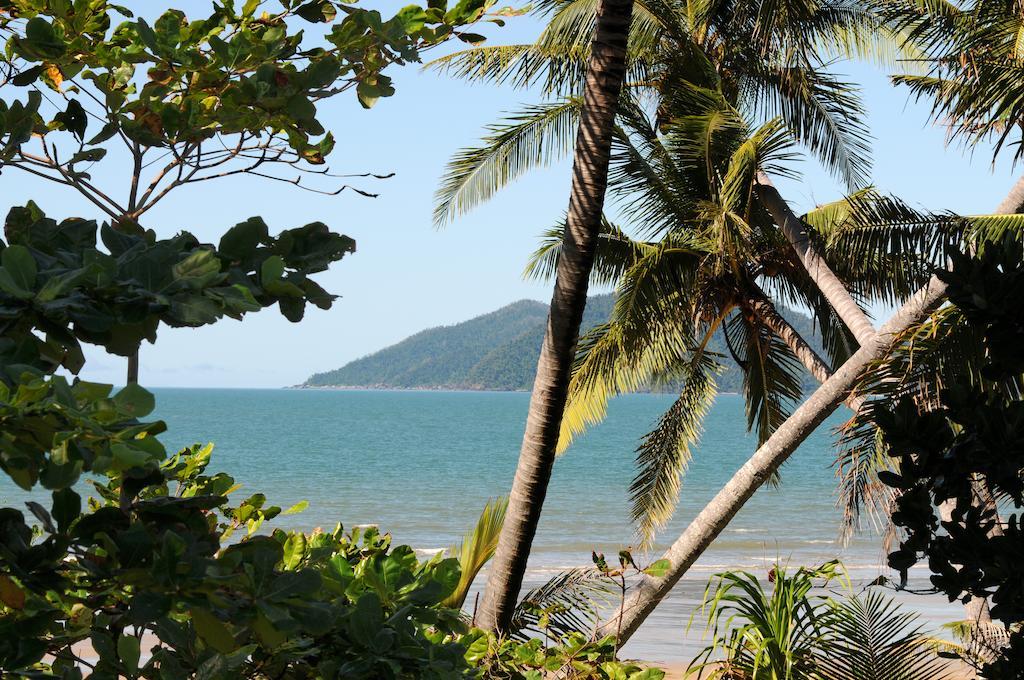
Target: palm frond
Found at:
x=850, y=29
x=534, y=137
x=974, y=67
x=651, y=329
x=616, y=252
x=476, y=548
x=821, y=111
x=572, y=23
x=767, y=149
x=557, y=68
x=873, y=639
x=664, y=453
x=568, y=602
x=771, y=373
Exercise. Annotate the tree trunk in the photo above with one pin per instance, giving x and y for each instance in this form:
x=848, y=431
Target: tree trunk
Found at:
x=824, y=278
x=133, y=368
x=649, y=591
x=605, y=73
x=1014, y=201
x=765, y=312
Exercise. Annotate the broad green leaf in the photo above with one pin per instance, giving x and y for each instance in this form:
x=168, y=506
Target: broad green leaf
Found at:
x=294, y=550
x=135, y=401
x=129, y=650
x=198, y=269
x=241, y=241
x=658, y=569
x=213, y=631
x=11, y=593
x=67, y=506
x=21, y=266
x=272, y=269
x=297, y=508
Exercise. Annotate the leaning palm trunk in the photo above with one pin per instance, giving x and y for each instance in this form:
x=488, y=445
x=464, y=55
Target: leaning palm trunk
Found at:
x=605, y=73
x=649, y=590
x=727, y=502
x=824, y=278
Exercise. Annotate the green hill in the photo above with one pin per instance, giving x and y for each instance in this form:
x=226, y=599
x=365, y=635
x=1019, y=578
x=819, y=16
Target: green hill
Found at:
x=496, y=351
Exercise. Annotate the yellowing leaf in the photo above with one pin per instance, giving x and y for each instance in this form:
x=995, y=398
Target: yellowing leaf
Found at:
x=11, y=594
x=53, y=76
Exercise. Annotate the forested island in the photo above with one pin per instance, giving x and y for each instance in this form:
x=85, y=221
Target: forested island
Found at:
x=498, y=351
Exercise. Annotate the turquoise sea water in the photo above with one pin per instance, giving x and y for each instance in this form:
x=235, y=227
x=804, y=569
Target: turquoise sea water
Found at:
x=422, y=465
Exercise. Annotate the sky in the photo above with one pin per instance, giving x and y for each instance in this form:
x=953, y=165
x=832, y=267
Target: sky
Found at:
x=406, y=275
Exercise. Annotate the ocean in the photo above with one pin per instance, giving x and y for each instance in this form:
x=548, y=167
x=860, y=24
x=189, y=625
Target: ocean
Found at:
x=423, y=464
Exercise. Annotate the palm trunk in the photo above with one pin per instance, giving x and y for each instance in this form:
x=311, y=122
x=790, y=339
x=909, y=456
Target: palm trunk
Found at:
x=649, y=591
x=605, y=73
x=727, y=502
x=1014, y=201
x=767, y=314
x=824, y=278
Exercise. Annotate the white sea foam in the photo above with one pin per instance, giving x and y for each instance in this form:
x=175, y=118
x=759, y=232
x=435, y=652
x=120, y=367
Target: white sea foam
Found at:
x=428, y=552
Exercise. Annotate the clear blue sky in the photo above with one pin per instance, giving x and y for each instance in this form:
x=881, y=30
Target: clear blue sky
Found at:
x=406, y=275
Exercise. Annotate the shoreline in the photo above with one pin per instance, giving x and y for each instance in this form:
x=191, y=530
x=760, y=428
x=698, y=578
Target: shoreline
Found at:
x=439, y=388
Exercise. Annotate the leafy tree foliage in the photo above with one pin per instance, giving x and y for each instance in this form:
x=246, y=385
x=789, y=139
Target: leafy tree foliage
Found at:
x=969, y=444
x=233, y=92
x=144, y=569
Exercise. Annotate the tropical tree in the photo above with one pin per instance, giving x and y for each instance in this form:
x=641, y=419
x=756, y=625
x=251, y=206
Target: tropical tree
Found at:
x=969, y=53
x=122, y=112
x=604, y=77
x=690, y=173
x=719, y=266
x=671, y=173
x=955, y=466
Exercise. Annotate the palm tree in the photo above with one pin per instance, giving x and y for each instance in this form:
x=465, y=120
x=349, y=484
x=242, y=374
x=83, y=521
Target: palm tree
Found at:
x=691, y=175
x=786, y=632
x=664, y=45
x=605, y=74
x=760, y=467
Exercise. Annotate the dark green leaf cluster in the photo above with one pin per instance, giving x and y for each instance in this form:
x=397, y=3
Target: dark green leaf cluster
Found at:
x=144, y=576
x=53, y=431
x=59, y=286
x=251, y=69
x=970, y=447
